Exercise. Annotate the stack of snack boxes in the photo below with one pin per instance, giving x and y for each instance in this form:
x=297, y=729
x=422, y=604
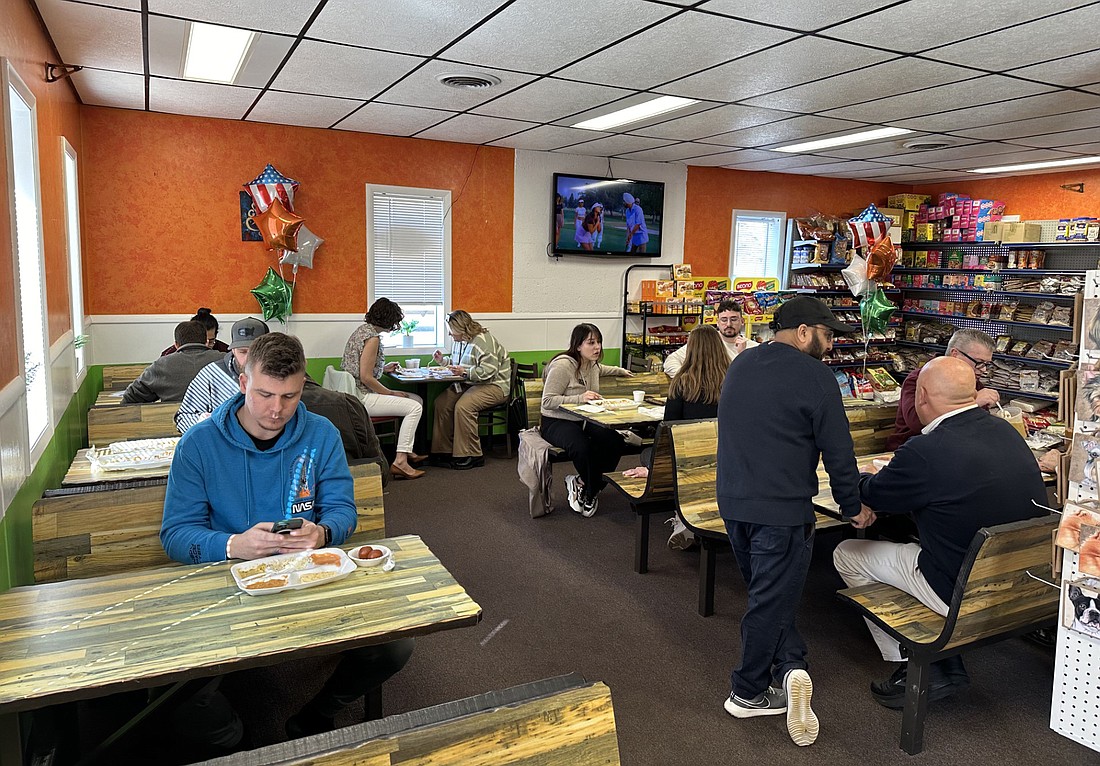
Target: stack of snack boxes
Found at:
x=956, y=218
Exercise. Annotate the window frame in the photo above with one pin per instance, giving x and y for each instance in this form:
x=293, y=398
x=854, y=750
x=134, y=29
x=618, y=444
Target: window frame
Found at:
x=445, y=196
x=781, y=228
x=75, y=264
x=10, y=80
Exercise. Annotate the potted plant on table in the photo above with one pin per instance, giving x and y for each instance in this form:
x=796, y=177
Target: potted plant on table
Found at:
x=407, y=327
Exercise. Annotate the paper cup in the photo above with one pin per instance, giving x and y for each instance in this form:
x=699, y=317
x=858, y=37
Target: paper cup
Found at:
x=639, y=396
x=412, y=364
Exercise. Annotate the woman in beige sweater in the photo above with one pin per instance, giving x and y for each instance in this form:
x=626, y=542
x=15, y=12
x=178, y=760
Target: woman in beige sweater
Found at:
x=573, y=377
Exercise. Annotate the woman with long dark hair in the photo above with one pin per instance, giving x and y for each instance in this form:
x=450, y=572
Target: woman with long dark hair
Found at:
x=365, y=358
x=573, y=377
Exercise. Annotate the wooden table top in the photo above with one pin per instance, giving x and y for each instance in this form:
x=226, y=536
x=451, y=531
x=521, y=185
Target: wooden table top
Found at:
x=612, y=418
x=82, y=473
x=823, y=500
x=108, y=399
x=82, y=639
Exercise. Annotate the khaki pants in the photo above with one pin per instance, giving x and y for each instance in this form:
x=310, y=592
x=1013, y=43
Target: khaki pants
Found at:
x=454, y=429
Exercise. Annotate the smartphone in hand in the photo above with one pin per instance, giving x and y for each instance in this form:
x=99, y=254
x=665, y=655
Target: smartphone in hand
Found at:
x=283, y=526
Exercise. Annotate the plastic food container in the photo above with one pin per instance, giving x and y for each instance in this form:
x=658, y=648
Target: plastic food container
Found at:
x=292, y=571
x=382, y=561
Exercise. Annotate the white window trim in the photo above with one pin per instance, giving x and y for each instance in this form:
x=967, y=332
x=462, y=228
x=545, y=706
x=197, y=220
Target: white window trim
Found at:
x=80, y=369
x=373, y=189
x=11, y=79
x=782, y=216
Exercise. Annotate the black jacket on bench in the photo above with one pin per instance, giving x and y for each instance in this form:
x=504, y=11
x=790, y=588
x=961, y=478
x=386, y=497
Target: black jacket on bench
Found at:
x=972, y=471
x=779, y=414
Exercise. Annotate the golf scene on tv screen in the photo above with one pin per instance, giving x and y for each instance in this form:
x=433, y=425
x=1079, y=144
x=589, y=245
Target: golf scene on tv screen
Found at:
x=607, y=217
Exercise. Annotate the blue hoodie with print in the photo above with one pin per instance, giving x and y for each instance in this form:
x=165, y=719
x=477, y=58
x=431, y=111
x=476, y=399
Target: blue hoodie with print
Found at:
x=221, y=484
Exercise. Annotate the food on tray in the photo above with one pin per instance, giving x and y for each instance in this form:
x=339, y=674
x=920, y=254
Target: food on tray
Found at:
x=318, y=575
x=323, y=559
x=245, y=572
x=269, y=582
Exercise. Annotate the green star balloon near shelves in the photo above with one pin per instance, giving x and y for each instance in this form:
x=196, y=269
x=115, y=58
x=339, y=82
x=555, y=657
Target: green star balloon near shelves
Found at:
x=274, y=295
x=876, y=311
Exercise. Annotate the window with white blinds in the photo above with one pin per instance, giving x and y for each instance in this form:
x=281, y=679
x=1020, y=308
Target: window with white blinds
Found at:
x=756, y=243
x=409, y=259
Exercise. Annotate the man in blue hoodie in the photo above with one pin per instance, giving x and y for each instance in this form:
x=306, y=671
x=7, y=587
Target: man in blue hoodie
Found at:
x=259, y=458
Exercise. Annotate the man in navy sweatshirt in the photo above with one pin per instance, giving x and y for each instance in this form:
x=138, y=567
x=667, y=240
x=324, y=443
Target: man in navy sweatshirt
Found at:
x=779, y=414
x=965, y=470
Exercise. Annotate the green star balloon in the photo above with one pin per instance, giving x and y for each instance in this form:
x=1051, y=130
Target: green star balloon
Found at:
x=876, y=311
x=274, y=294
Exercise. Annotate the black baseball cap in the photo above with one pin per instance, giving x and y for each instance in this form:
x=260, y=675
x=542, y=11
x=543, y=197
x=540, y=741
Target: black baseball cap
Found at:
x=804, y=309
x=245, y=331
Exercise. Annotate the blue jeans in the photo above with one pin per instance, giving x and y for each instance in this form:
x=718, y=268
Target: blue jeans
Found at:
x=774, y=562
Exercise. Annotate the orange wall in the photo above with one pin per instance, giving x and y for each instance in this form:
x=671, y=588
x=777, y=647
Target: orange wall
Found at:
x=713, y=193
x=24, y=44
x=162, y=224
x=1036, y=197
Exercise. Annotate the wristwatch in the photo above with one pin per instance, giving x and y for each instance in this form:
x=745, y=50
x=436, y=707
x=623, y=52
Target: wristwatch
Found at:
x=328, y=535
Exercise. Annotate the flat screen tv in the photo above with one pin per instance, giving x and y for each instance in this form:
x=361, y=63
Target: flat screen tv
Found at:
x=606, y=217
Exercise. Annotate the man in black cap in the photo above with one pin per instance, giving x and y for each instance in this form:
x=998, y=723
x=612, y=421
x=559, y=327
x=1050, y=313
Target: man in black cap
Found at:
x=779, y=413
x=219, y=381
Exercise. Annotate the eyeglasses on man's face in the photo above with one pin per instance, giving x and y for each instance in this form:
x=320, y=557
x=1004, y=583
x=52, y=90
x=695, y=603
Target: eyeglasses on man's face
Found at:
x=829, y=334
x=980, y=365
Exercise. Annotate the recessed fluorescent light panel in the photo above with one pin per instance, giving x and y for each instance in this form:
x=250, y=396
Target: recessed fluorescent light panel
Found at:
x=853, y=138
x=1037, y=165
x=215, y=54
x=637, y=112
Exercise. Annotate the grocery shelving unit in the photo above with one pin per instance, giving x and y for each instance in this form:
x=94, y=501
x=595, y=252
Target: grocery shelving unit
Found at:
x=1065, y=260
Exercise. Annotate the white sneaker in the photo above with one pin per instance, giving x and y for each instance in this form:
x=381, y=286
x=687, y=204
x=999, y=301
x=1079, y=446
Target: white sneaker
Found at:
x=802, y=723
x=573, y=488
x=682, y=538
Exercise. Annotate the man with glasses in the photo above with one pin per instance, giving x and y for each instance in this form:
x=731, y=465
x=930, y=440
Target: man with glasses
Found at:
x=781, y=412
x=973, y=347
x=731, y=325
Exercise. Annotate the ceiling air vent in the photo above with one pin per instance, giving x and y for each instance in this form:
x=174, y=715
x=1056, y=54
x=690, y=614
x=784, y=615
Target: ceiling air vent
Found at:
x=927, y=144
x=476, y=81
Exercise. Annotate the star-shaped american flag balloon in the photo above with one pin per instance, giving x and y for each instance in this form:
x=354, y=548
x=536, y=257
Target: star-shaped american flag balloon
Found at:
x=868, y=226
x=270, y=185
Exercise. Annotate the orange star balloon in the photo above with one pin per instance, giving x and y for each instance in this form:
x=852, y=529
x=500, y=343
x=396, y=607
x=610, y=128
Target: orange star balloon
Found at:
x=279, y=227
x=881, y=260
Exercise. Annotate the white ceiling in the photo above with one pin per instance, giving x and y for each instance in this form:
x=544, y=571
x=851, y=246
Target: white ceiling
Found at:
x=1008, y=82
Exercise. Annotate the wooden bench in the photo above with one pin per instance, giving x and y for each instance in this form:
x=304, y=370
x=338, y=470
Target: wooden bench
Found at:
x=117, y=376
x=131, y=421
x=695, y=460
x=995, y=598
x=562, y=721
x=870, y=425
x=654, y=493
x=653, y=383
x=96, y=533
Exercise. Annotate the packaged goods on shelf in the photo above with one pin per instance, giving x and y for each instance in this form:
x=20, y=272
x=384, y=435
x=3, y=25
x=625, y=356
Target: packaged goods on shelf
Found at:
x=908, y=201
x=665, y=288
x=755, y=284
x=681, y=271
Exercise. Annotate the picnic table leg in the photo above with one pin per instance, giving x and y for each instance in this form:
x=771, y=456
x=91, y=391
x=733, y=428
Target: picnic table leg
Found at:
x=11, y=742
x=706, y=578
x=372, y=704
x=641, y=543
x=916, y=706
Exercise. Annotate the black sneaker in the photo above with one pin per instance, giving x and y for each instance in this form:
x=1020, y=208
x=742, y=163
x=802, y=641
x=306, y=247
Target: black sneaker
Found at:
x=589, y=506
x=771, y=702
x=942, y=683
x=466, y=463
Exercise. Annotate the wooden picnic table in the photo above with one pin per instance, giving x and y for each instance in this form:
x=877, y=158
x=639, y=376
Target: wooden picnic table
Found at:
x=82, y=473
x=83, y=639
x=823, y=500
x=108, y=399
x=614, y=419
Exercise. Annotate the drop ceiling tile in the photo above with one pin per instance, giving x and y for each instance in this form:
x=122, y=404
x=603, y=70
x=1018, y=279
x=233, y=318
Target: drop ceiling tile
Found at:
x=538, y=36
x=473, y=129
x=324, y=69
x=1072, y=71
x=897, y=76
x=896, y=153
x=1004, y=158
x=91, y=36
x=286, y=16
x=614, y=145
x=673, y=152
x=1084, y=149
x=781, y=163
x=548, y=137
x=723, y=119
x=980, y=90
x=921, y=24
x=1063, y=139
x=794, y=129
x=392, y=119
x=1004, y=111
x=839, y=167
x=299, y=109
x=903, y=176
x=547, y=100
x=800, y=61
x=1086, y=118
x=716, y=160
x=120, y=89
x=203, y=99
x=677, y=47
x=423, y=88
x=797, y=15
x=874, y=149
x=410, y=26
x=133, y=5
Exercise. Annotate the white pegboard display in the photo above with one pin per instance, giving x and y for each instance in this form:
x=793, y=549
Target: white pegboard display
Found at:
x=1075, y=707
